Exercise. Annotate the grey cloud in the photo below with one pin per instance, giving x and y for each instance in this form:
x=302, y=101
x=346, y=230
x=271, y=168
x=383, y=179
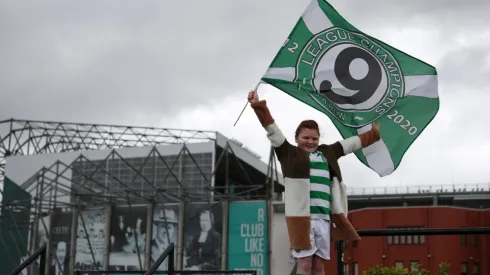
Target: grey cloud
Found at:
x=103, y=61
x=465, y=67
x=464, y=83
x=434, y=13
x=110, y=61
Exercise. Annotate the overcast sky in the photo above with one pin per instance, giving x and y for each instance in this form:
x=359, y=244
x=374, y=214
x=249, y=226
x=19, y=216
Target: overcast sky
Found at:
x=190, y=64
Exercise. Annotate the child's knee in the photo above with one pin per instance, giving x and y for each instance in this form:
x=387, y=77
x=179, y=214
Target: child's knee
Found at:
x=318, y=266
x=305, y=266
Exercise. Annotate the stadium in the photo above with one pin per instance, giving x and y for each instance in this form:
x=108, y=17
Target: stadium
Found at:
x=113, y=198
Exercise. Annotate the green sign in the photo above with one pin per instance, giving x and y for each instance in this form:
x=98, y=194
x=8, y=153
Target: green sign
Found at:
x=14, y=226
x=248, y=237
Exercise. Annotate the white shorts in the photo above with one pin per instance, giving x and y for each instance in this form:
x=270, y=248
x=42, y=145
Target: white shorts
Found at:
x=319, y=239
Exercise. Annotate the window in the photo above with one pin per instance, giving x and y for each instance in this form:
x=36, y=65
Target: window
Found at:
x=474, y=240
x=346, y=268
x=406, y=239
x=410, y=239
x=414, y=265
x=416, y=239
x=403, y=240
x=464, y=268
x=399, y=264
x=396, y=239
x=476, y=269
x=462, y=240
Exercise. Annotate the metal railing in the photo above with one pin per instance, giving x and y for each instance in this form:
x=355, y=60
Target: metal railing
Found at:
x=42, y=263
x=251, y=272
x=169, y=252
x=419, y=189
x=400, y=232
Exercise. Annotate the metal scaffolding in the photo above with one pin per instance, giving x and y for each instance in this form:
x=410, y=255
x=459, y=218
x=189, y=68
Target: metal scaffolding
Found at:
x=152, y=179
x=31, y=137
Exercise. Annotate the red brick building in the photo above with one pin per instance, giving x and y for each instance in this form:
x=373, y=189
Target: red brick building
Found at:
x=466, y=254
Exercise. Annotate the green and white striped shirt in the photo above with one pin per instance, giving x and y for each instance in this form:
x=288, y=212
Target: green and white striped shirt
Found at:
x=320, y=198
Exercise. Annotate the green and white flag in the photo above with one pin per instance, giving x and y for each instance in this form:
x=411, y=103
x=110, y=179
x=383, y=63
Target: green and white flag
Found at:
x=355, y=80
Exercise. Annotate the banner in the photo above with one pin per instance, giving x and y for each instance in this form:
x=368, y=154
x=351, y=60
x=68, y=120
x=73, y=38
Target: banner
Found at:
x=14, y=226
x=91, y=232
x=202, y=236
x=248, y=237
x=41, y=237
x=355, y=80
x=61, y=229
x=128, y=238
x=165, y=230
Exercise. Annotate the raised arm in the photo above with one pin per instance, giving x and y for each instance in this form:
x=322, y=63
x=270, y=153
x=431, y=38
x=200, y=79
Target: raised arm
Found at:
x=352, y=144
x=274, y=134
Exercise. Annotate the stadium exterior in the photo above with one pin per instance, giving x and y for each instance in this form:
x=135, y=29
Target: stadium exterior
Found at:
x=101, y=195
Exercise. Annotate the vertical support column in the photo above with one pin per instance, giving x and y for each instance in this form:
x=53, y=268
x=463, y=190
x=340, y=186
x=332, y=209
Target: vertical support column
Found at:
x=42, y=263
x=107, y=240
x=180, y=238
x=227, y=170
x=340, y=255
x=32, y=243
x=37, y=218
x=270, y=216
x=73, y=245
x=224, y=238
x=49, y=243
x=149, y=232
x=171, y=260
x=181, y=168
x=150, y=210
x=213, y=168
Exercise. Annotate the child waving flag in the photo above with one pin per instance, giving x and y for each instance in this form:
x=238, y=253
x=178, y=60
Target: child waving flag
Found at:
x=359, y=82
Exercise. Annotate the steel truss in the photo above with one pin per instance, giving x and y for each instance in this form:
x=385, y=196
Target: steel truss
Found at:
x=31, y=137
x=56, y=187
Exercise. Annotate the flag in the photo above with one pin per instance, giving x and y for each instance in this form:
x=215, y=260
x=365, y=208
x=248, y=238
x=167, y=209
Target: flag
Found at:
x=355, y=80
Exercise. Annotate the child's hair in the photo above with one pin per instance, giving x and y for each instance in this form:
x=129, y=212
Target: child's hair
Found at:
x=308, y=124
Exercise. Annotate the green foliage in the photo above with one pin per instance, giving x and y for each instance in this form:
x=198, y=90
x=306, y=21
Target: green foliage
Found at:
x=444, y=269
x=384, y=270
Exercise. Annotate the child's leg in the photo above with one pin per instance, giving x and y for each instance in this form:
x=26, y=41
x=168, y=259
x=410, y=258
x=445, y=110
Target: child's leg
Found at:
x=318, y=266
x=305, y=266
x=305, y=256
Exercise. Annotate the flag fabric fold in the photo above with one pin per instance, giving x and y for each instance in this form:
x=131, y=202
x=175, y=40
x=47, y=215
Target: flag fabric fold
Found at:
x=356, y=79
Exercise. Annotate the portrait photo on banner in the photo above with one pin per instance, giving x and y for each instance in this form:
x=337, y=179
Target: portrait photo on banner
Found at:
x=41, y=237
x=203, y=226
x=61, y=227
x=165, y=230
x=128, y=238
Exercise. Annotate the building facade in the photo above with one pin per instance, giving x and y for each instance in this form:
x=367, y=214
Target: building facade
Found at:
x=466, y=254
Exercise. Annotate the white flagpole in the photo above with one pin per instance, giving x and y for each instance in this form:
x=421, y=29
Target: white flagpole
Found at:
x=246, y=104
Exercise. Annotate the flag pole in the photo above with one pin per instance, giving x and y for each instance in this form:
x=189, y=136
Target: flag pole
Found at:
x=246, y=104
